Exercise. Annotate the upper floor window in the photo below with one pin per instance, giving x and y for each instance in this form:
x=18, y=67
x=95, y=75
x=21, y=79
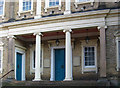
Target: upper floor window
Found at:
x=26, y=5
x=53, y=2
x=1, y=7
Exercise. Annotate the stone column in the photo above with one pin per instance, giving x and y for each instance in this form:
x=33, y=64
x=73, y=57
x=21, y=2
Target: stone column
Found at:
x=102, y=51
x=68, y=56
x=67, y=7
x=37, y=57
x=11, y=54
x=38, y=10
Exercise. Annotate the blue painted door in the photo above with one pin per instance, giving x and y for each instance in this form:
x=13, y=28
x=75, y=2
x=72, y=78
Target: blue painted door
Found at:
x=59, y=64
x=18, y=66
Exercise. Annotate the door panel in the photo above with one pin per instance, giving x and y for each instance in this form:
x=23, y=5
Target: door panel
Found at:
x=18, y=66
x=59, y=64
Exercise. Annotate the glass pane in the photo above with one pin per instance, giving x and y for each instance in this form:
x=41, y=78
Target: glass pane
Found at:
x=27, y=8
x=23, y=8
x=1, y=7
x=57, y=2
x=26, y=5
x=53, y=2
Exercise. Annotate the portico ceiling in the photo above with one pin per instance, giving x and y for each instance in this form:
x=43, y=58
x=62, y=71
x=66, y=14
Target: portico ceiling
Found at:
x=77, y=33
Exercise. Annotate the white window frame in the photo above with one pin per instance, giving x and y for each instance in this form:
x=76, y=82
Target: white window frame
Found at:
x=94, y=57
x=77, y=2
x=89, y=68
x=3, y=10
x=117, y=53
x=21, y=8
x=32, y=69
x=1, y=49
x=47, y=5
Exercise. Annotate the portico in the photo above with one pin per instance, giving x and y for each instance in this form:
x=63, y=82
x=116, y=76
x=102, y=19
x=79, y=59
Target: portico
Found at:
x=80, y=57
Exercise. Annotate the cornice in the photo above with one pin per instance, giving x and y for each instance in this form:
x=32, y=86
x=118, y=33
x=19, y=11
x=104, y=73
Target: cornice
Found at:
x=82, y=15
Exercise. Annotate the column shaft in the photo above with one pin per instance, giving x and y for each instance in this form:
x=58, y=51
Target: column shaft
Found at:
x=68, y=57
x=37, y=58
x=11, y=55
x=102, y=53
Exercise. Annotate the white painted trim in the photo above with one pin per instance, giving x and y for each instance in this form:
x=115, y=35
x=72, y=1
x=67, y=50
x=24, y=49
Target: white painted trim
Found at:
x=47, y=5
x=87, y=68
x=77, y=2
x=1, y=69
x=23, y=62
x=83, y=2
x=21, y=8
x=53, y=61
x=54, y=26
x=117, y=53
x=20, y=47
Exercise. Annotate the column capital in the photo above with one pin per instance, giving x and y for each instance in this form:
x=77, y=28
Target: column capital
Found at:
x=99, y=27
x=67, y=30
x=39, y=33
x=11, y=36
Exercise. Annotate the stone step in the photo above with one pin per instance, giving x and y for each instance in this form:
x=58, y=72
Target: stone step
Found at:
x=57, y=84
x=50, y=84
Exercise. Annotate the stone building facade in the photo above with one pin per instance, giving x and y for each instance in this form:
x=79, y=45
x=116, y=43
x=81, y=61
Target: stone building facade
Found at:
x=59, y=41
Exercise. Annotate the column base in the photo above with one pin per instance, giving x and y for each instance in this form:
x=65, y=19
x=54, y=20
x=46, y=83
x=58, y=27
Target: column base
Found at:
x=68, y=79
x=37, y=17
x=67, y=12
x=52, y=79
x=37, y=79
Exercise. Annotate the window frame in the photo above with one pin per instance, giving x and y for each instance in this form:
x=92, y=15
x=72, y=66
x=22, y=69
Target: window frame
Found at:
x=117, y=53
x=32, y=68
x=21, y=8
x=94, y=57
x=56, y=6
x=2, y=15
x=89, y=68
x=1, y=49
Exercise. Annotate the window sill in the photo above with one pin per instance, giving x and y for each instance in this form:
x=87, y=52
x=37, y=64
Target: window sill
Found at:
x=29, y=11
x=89, y=69
x=51, y=7
x=80, y=3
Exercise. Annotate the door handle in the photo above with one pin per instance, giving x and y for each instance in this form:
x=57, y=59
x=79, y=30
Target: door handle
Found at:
x=62, y=66
x=17, y=66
